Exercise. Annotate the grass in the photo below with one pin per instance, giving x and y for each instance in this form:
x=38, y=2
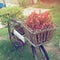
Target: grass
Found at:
x=56, y=19
x=3, y=32
x=52, y=56
x=8, y=52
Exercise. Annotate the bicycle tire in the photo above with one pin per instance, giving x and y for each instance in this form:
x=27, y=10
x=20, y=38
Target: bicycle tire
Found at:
x=44, y=52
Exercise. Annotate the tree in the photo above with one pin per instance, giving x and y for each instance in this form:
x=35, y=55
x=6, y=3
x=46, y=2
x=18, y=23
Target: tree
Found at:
x=35, y=1
x=4, y=3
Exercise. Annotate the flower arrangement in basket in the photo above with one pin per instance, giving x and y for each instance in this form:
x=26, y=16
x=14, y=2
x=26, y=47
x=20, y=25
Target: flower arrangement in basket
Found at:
x=39, y=28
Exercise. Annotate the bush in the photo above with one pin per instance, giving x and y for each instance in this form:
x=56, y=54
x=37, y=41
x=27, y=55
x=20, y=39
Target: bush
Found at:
x=25, y=3
x=11, y=12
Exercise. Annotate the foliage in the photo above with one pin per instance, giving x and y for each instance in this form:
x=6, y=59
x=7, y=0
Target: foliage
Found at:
x=11, y=12
x=46, y=6
x=25, y=3
x=21, y=2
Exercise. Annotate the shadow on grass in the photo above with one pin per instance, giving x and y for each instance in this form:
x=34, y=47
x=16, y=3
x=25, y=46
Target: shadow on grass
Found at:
x=8, y=52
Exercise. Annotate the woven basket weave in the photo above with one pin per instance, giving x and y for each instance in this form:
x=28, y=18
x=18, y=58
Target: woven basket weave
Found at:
x=39, y=36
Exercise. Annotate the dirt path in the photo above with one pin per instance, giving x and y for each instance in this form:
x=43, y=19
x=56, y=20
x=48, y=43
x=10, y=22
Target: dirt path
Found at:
x=4, y=37
x=53, y=49
x=1, y=26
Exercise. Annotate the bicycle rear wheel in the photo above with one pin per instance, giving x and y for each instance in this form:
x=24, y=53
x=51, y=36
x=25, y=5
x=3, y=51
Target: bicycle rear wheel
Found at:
x=12, y=24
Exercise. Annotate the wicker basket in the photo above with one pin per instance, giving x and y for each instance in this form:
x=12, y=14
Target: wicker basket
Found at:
x=38, y=37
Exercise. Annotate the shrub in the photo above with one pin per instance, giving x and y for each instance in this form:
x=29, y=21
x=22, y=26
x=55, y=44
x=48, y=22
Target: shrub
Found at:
x=11, y=12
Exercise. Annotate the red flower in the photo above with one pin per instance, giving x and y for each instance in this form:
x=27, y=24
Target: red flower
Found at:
x=39, y=21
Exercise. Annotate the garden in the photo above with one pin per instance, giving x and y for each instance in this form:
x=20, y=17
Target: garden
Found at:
x=9, y=52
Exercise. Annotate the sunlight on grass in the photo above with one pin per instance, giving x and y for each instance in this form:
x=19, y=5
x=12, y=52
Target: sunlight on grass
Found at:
x=3, y=31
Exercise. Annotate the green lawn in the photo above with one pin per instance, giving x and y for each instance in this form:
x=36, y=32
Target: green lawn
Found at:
x=3, y=32
x=56, y=19
x=8, y=52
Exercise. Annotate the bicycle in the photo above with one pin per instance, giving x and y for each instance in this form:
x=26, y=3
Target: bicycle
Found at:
x=17, y=33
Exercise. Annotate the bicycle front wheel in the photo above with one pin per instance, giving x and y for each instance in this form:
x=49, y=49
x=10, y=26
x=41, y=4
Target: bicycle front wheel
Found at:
x=40, y=53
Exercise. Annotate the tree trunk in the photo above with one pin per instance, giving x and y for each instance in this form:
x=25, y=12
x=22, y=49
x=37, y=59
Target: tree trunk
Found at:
x=4, y=3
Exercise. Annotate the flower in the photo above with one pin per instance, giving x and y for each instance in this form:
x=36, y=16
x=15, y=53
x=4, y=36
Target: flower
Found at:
x=39, y=21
